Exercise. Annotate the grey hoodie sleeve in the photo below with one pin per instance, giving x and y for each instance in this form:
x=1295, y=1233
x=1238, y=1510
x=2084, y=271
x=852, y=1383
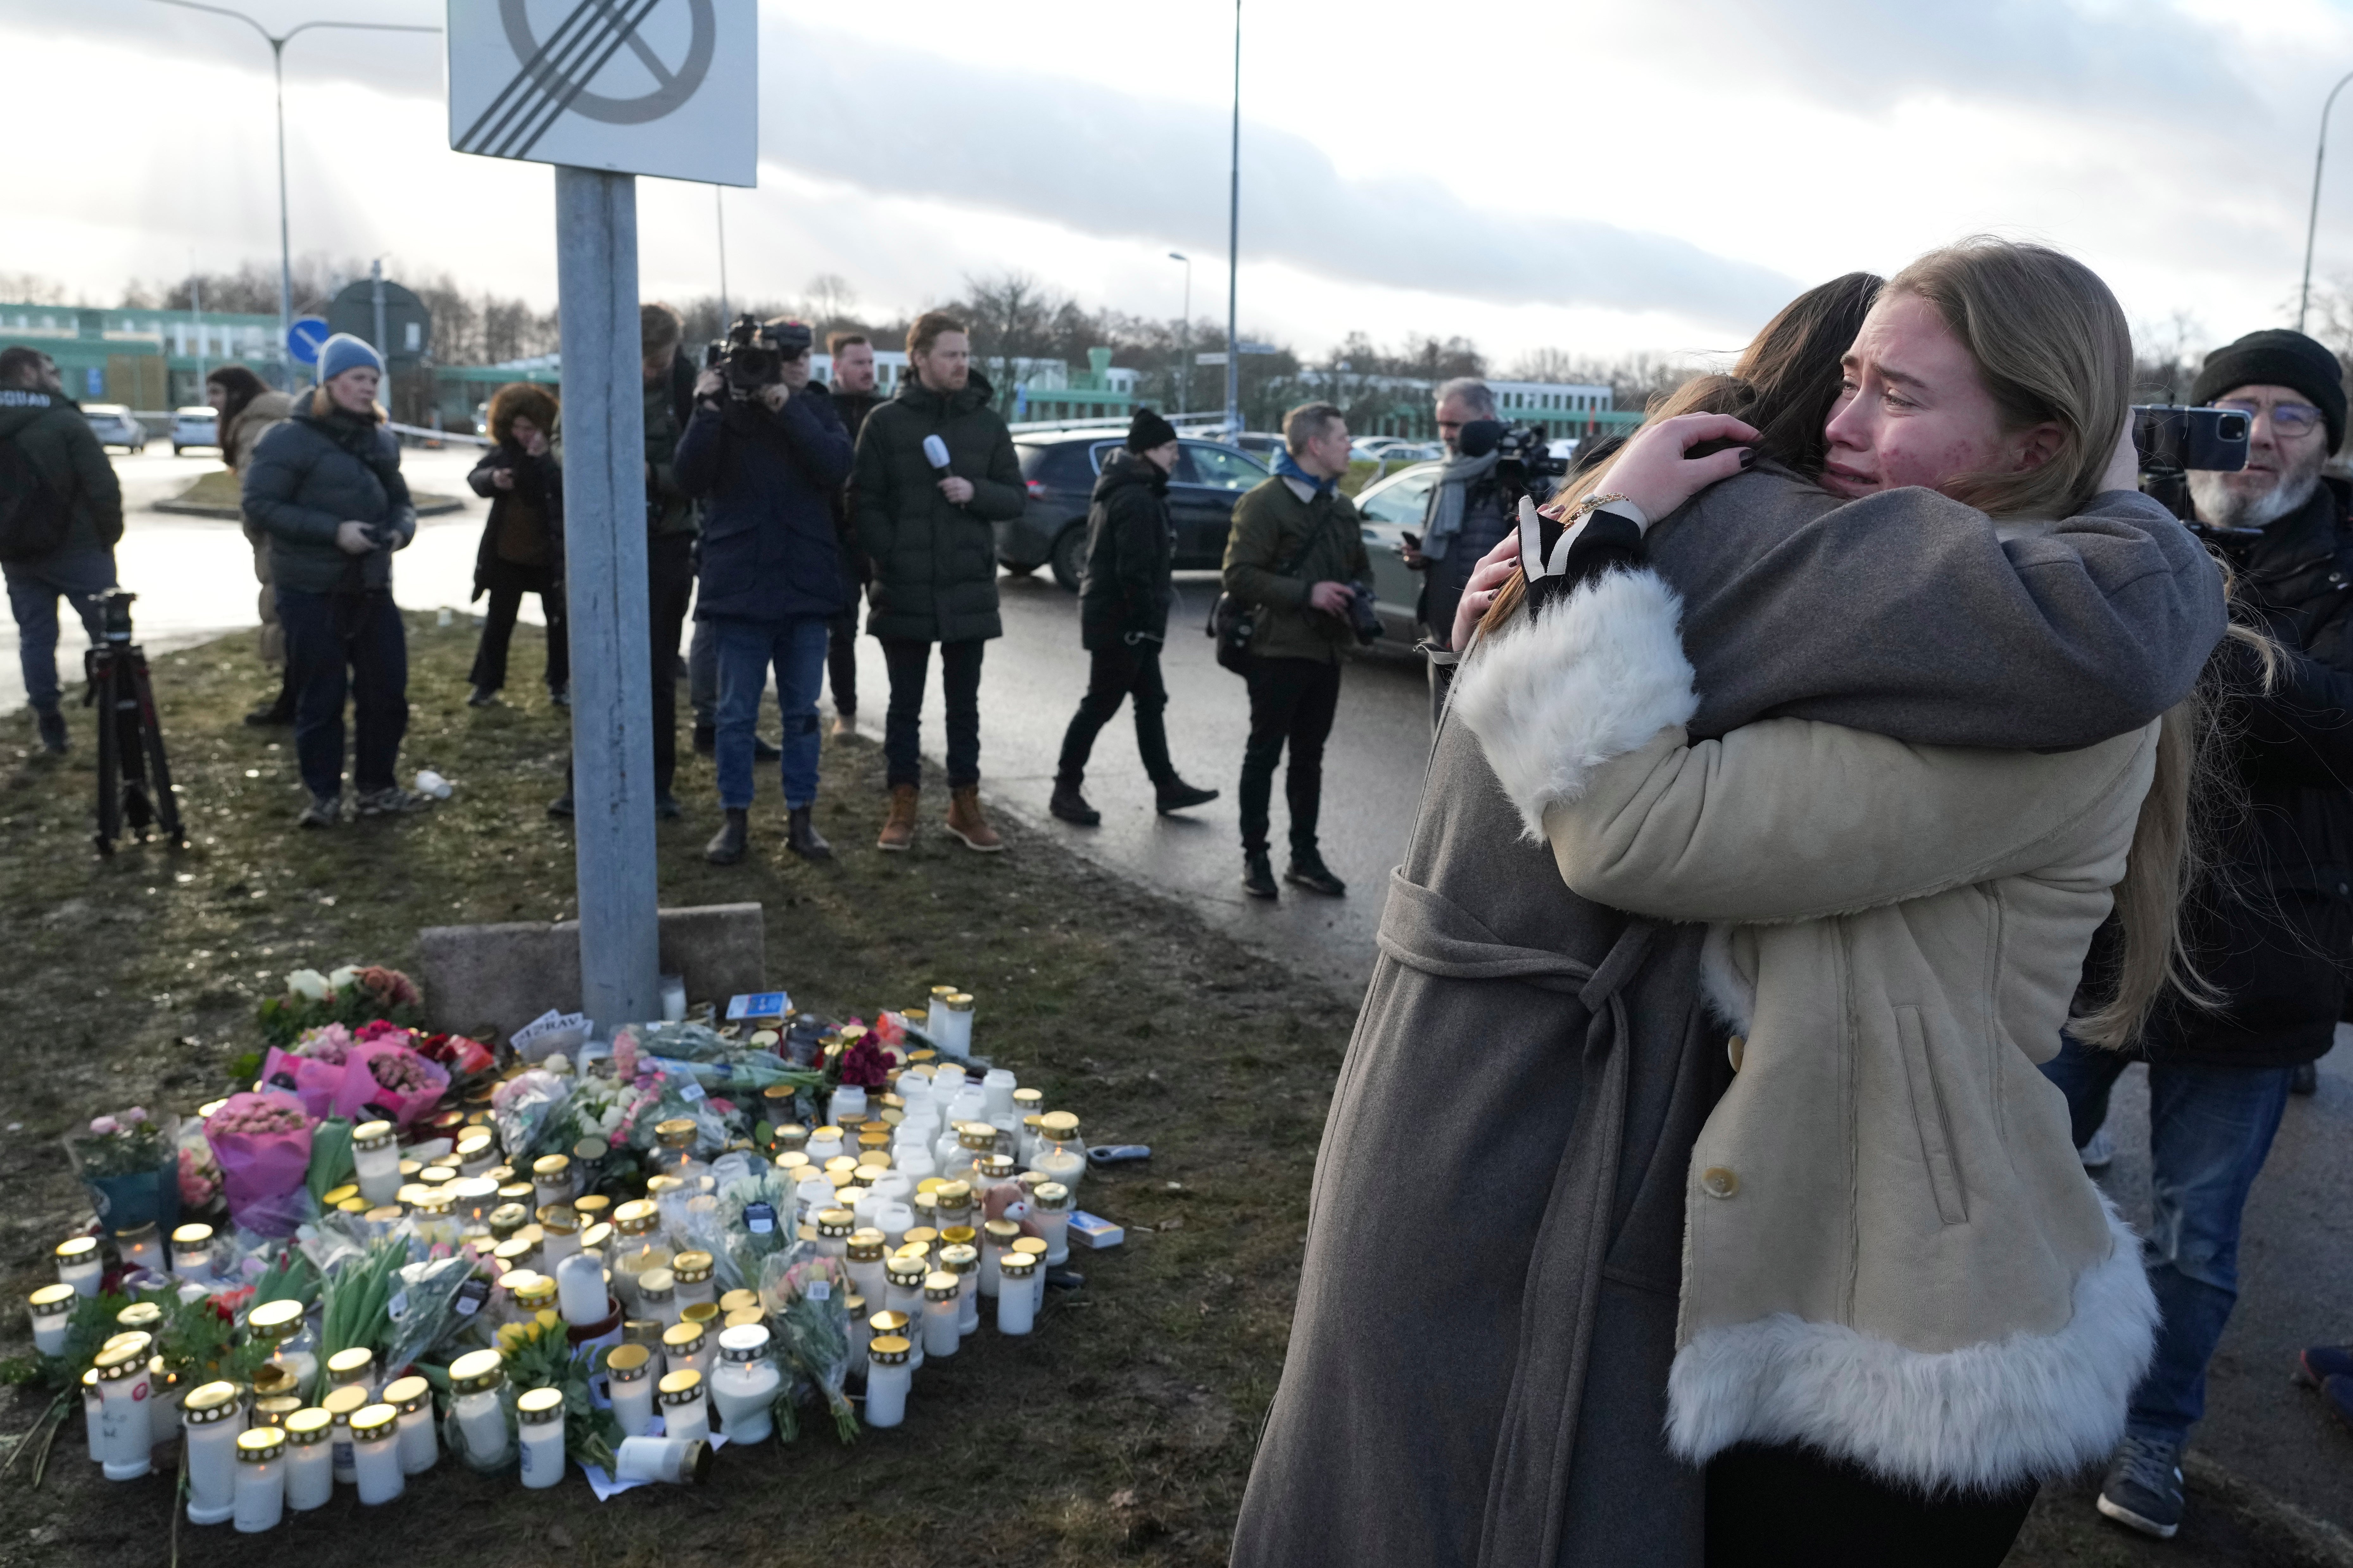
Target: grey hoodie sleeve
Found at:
x=1910, y=614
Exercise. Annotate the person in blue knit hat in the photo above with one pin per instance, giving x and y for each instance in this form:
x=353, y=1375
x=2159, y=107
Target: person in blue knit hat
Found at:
x=325, y=485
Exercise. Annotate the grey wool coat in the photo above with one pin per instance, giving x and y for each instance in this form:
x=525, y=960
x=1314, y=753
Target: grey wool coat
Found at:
x=1477, y=1372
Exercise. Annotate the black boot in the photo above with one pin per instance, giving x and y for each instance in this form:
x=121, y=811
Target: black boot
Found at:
x=706, y=739
x=1072, y=806
x=52, y=727
x=1174, y=795
x=761, y=752
x=1258, y=875
x=801, y=835
x=279, y=709
x=726, y=846
x=1308, y=870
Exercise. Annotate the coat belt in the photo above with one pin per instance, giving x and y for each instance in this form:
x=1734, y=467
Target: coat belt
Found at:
x=1528, y=1483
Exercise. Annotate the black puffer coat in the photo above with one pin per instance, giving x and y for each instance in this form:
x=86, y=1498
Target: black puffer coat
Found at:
x=1125, y=592
x=935, y=562
x=312, y=474
x=51, y=431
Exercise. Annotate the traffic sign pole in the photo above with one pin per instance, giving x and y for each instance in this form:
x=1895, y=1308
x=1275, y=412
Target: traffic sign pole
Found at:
x=606, y=596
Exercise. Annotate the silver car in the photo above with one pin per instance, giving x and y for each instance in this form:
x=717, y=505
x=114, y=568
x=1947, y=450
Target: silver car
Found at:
x=1391, y=508
x=113, y=425
x=195, y=426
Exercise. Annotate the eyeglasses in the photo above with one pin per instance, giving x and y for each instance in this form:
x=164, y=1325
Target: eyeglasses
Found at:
x=2290, y=419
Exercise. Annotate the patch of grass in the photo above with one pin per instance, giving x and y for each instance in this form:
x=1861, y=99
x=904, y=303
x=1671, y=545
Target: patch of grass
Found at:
x=1122, y=1429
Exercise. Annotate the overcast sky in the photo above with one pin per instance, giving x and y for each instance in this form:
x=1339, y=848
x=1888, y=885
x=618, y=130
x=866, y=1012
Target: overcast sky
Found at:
x=1594, y=177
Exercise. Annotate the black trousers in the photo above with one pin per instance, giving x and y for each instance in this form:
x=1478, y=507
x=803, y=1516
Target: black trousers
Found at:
x=842, y=660
x=342, y=645
x=1787, y=1507
x=910, y=663
x=1115, y=673
x=670, y=587
x=1291, y=702
x=498, y=631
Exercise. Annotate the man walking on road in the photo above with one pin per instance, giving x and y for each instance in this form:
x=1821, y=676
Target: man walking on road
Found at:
x=1296, y=549
x=935, y=471
x=1123, y=600
x=2273, y=933
x=60, y=517
x=852, y=385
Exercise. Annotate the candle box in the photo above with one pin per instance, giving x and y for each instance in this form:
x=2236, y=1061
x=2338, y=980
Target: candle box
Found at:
x=1095, y=1231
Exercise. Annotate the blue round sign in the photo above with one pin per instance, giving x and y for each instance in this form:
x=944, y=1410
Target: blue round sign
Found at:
x=303, y=337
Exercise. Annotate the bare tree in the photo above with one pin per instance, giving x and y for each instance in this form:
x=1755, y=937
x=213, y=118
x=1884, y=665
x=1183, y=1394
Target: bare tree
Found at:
x=831, y=299
x=31, y=288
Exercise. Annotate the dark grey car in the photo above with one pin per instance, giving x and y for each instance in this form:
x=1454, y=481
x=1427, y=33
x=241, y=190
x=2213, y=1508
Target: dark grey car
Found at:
x=1061, y=471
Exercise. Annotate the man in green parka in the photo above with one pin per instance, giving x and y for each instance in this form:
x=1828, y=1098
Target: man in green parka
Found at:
x=925, y=510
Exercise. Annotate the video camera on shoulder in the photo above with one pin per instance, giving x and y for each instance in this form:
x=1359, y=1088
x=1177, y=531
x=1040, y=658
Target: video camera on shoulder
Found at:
x=1523, y=461
x=753, y=353
x=2172, y=439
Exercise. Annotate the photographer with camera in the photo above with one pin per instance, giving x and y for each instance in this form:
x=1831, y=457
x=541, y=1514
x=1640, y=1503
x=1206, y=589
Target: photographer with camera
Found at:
x=2272, y=936
x=325, y=485
x=1296, y=552
x=852, y=387
x=522, y=548
x=764, y=452
x=61, y=517
x=1465, y=517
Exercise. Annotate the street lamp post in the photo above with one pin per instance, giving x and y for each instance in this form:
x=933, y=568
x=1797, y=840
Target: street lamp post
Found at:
x=2312, y=224
x=277, y=42
x=1233, y=247
x=1185, y=337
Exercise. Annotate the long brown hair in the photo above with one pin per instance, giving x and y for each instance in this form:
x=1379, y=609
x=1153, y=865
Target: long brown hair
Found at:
x=242, y=386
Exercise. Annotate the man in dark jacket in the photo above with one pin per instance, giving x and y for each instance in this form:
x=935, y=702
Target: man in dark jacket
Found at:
x=928, y=528
x=326, y=486
x=2272, y=931
x=766, y=461
x=1296, y=549
x=670, y=526
x=1464, y=518
x=852, y=386
x=1124, y=596
x=64, y=511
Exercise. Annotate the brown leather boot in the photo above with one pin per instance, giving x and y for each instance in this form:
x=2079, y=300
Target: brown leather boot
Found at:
x=899, y=828
x=966, y=823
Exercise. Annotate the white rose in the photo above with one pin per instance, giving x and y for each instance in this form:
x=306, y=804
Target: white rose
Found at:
x=309, y=983
x=344, y=977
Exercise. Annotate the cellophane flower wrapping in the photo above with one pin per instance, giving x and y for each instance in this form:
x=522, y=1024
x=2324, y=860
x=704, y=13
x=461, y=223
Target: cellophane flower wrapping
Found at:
x=199, y=1173
x=807, y=1299
x=463, y=1057
x=261, y=1143
x=313, y=1080
x=743, y=1251
x=423, y=1310
x=524, y=1108
x=385, y=1078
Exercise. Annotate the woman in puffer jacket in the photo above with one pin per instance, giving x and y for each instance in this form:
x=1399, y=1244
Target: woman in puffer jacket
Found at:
x=1903, y=1304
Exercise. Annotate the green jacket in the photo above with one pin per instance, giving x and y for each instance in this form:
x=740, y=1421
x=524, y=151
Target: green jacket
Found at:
x=1271, y=524
x=934, y=563
x=48, y=428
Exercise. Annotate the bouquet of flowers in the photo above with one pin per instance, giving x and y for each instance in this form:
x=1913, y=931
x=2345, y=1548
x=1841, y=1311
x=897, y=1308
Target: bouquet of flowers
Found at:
x=383, y=1076
x=462, y=1056
x=351, y=995
x=261, y=1143
x=805, y=1297
x=527, y=1109
x=131, y=1163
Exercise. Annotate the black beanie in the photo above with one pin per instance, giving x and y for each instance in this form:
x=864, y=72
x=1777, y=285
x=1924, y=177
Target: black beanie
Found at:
x=1149, y=430
x=2277, y=357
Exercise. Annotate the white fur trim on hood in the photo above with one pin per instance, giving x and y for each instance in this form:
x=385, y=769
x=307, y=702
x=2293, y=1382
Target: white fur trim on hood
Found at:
x=1981, y=1418
x=1590, y=679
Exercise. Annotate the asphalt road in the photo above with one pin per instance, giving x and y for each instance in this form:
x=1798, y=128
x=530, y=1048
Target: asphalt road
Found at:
x=2296, y=1262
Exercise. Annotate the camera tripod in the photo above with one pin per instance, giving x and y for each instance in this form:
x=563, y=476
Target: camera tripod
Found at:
x=130, y=740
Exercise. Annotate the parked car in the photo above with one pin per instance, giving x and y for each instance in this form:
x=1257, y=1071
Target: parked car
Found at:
x=1392, y=508
x=194, y=426
x=113, y=425
x=1061, y=472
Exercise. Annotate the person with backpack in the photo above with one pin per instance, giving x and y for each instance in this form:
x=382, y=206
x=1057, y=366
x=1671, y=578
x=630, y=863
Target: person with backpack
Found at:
x=60, y=517
x=1123, y=600
x=326, y=486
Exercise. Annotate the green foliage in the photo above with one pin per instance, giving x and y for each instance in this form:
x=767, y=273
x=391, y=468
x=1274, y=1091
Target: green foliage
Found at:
x=357, y=1296
x=331, y=1162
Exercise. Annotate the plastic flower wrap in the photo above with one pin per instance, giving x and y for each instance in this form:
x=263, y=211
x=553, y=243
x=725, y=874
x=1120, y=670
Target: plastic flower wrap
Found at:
x=200, y=1176
x=386, y=1079
x=749, y=1237
x=805, y=1297
x=328, y=1042
x=312, y=1081
x=524, y=1109
x=262, y=1145
x=464, y=1058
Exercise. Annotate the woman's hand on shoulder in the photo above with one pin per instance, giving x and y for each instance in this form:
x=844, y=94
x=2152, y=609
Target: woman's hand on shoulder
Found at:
x=1653, y=472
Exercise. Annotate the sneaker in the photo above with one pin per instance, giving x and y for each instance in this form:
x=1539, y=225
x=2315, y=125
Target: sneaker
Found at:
x=482, y=697
x=324, y=811
x=560, y=806
x=2338, y=1392
x=2318, y=1364
x=1069, y=805
x=2143, y=1489
x=666, y=806
x=52, y=726
x=1178, y=796
x=1258, y=876
x=1309, y=871
x=2099, y=1153
x=560, y=696
x=392, y=801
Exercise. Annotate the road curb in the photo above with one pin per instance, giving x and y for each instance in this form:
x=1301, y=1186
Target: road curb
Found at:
x=2293, y=1537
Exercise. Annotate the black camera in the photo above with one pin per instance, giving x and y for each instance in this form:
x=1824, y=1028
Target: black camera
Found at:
x=1525, y=465
x=2172, y=439
x=114, y=613
x=1362, y=619
x=754, y=353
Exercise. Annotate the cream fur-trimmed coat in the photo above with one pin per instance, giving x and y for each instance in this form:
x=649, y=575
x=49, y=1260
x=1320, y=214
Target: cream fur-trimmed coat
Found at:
x=1891, y=1253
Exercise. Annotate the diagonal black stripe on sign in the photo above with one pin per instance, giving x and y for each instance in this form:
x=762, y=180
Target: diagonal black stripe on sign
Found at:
x=526, y=82
x=609, y=44
x=550, y=65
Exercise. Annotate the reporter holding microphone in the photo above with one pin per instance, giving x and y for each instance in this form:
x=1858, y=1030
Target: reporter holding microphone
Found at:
x=935, y=472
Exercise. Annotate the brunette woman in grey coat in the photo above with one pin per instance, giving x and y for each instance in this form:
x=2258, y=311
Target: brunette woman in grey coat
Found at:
x=1478, y=1368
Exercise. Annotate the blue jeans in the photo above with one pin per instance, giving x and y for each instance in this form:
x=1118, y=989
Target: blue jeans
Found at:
x=745, y=650
x=340, y=645
x=33, y=591
x=2210, y=1130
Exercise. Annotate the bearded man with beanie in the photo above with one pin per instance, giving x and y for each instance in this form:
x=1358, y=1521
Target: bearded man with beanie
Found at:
x=1124, y=596
x=2273, y=932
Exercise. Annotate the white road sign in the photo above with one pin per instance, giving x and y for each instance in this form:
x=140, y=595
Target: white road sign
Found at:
x=640, y=87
